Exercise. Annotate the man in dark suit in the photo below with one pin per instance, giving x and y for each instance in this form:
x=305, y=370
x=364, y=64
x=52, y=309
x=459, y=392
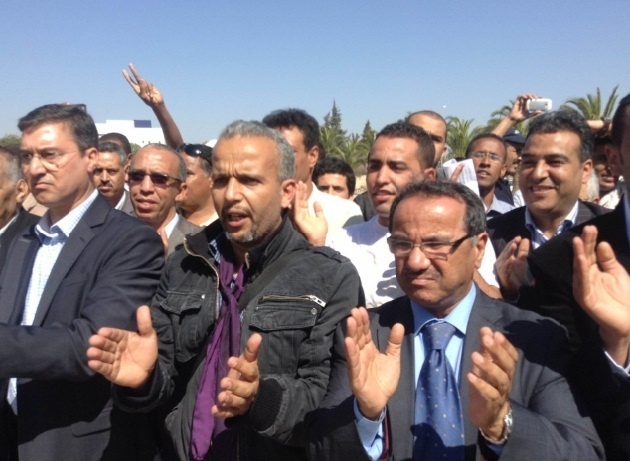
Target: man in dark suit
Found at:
x=13, y=190
x=605, y=386
x=156, y=177
x=84, y=265
x=555, y=162
x=514, y=401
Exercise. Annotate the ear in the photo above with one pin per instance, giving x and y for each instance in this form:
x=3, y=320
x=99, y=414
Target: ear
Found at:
x=503, y=170
x=480, y=248
x=21, y=191
x=92, y=157
x=429, y=174
x=182, y=192
x=587, y=166
x=313, y=157
x=287, y=192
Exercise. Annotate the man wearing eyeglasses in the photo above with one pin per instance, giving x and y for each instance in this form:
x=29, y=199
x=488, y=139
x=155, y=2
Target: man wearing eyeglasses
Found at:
x=156, y=179
x=84, y=265
x=401, y=153
x=488, y=153
x=445, y=372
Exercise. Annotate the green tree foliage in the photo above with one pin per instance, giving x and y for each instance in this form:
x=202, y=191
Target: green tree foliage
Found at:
x=11, y=142
x=331, y=141
x=460, y=133
x=332, y=120
x=336, y=142
x=591, y=107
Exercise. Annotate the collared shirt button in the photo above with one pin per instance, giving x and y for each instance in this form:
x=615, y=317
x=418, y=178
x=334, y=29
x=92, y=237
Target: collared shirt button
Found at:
x=314, y=311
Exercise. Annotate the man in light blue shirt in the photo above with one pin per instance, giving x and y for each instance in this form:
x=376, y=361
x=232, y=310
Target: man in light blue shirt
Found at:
x=82, y=266
x=507, y=364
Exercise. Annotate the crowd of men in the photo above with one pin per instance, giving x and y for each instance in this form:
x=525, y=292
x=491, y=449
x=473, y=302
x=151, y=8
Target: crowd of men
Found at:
x=240, y=302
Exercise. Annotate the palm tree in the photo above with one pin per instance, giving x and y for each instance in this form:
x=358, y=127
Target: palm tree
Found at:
x=354, y=151
x=460, y=133
x=590, y=107
x=331, y=141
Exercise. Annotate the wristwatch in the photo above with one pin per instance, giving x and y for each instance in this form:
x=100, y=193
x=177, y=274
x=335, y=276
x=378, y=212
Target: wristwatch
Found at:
x=508, y=422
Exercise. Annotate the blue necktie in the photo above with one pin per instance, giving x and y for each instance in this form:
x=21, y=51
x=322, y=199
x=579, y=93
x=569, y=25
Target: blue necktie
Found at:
x=439, y=427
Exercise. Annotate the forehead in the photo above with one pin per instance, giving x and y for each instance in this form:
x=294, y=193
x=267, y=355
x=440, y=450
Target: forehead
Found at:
x=418, y=215
x=561, y=142
x=157, y=160
x=429, y=124
x=488, y=144
x=332, y=178
x=47, y=135
x=294, y=135
x=247, y=152
x=395, y=149
x=109, y=159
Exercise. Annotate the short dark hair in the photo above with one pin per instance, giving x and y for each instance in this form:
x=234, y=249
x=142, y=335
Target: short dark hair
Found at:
x=335, y=165
x=475, y=217
x=74, y=116
x=564, y=120
x=119, y=139
x=113, y=148
x=302, y=120
x=487, y=136
x=426, y=148
x=619, y=120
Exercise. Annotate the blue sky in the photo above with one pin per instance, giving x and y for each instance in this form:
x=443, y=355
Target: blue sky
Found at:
x=216, y=61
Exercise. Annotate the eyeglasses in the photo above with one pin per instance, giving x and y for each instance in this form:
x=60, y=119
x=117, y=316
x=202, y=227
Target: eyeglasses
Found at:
x=197, y=150
x=158, y=179
x=50, y=160
x=432, y=250
x=482, y=155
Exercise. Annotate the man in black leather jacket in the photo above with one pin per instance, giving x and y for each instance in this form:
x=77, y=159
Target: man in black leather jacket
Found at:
x=276, y=381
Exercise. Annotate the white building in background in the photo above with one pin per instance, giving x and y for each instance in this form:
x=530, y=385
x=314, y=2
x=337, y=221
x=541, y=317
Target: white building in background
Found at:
x=137, y=131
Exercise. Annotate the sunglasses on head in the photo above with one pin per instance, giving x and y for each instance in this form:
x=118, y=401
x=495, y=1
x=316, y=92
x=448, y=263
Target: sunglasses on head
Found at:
x=158, y=179
x=197, y=150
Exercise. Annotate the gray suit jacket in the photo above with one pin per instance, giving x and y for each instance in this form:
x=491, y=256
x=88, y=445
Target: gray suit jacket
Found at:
x=109, y=266
x=182, y=229
x=547, y=423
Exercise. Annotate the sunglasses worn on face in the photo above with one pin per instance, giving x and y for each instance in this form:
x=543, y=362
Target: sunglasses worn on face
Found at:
x=197, y=150
x=158, y=179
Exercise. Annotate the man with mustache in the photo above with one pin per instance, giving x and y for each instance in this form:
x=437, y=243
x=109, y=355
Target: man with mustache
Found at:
x=108, y=176
x=445, y=372
x=401, y=153
x=248, y=285
x=156, y=178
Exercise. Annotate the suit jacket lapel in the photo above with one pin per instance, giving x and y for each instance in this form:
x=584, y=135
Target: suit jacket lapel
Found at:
x=15, y=282
x=77, y=241
x=402, y=404
x=482, y=314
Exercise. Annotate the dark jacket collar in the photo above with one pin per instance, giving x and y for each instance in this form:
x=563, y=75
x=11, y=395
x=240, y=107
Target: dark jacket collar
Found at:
x=284, y=239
